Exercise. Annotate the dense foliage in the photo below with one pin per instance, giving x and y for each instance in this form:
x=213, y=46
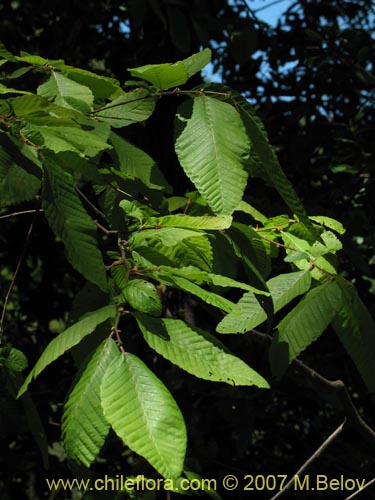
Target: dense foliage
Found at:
x=161, y=262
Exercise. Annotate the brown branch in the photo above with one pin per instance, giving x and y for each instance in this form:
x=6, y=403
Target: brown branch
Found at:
x=334, y=392
x=311, y=459
x=91, y=205
x=24, y=212
x=104, y=229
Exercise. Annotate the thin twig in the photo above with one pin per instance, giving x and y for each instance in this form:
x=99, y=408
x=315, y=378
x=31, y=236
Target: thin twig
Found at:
x=362, y=489
x=96, y=210
x=6, y=300
x=24, y=212
x=311, y=459
x=104, y=229
x=334, y=392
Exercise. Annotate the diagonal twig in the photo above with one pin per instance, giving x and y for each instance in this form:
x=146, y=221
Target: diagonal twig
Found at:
x=311, y=459
x=360, y=491
x=20, y=260
x=24, y=212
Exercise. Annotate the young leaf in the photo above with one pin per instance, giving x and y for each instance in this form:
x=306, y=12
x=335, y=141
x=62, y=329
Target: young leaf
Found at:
x=142, y=296
x=197, y=61
x=197, y=352
x=189, y=222
x=283, y=288
x=84, y=427
x=133, y=107
x=144, y=414
x=70, y=222
x=355, y=328
x=67, y=339
x=170, y=236
x=329, y=222
x=167, y=75
x=163, y=76
x=247, y=316
x=304, y=324
x=15, y=360
x=211, y=150
x=67, y=93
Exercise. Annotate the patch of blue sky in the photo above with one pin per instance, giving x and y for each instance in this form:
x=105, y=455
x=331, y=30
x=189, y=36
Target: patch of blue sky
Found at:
x=270, y=12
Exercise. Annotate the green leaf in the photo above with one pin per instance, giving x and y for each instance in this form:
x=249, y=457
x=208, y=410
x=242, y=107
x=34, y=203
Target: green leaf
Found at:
x=247, y=316
x=189, y=222
x=255, y=247
x=15, y=360
x=67, y=93
x=267, y=157
x=211, y=298
x=170, y=236
x=245, y=207
x=16, y=184
x=197, y=61
x=283, y=288
x=135, y=106
x=304, y=324
x=211, y=149
x=67, y=339
x=8, y=90
x=143, y=296
x=136, y=164
x=101, y=86
x=167, y=75
x=203, y=277
x=197, y=352
x=144, y=414
x=329, y=222
x=84, y=427
x=70, y=222
x=355, y=328
x=163, y=76
x=37, y=60
x=59, y=139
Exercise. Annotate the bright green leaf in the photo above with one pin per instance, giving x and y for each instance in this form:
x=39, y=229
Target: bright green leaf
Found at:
x=283, y=288
x=144, y=414
x=133, y=107
x=189, y=222
x=68, y=339
x=67, y=93
x=304, y=324
x=142, y=296
x=211, y=150
x=84, y=427
x=60, y=139
x=197, y=352
x=163, y=76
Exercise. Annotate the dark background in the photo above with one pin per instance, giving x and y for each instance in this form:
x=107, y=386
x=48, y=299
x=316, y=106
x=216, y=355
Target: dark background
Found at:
x=311, y=78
